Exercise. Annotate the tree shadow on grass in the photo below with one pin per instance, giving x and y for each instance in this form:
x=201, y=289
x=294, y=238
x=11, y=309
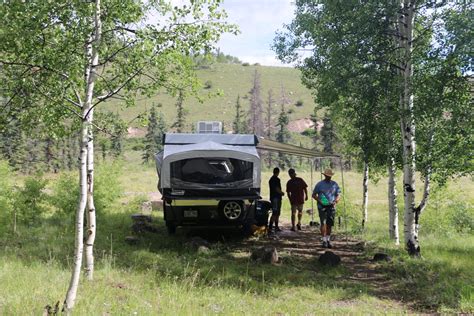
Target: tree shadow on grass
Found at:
x=228, y=263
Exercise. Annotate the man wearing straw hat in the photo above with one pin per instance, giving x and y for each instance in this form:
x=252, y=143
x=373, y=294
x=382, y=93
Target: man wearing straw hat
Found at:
x=327, y=193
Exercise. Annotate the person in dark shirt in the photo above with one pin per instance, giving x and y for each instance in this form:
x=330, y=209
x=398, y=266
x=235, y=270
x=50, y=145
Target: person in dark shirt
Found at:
x=276, y=195
x=327, y=193
x=297, y=193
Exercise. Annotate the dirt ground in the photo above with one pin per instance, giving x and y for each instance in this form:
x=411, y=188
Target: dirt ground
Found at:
x=306, y=245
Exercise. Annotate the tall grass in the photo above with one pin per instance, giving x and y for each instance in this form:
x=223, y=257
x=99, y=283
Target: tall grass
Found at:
x=162, y=275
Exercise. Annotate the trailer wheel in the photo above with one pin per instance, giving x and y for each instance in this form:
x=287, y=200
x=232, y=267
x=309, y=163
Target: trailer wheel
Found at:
x=231, y=210
x=171, y=227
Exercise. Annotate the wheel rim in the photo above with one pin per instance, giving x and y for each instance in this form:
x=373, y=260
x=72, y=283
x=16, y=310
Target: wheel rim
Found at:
x=232, y=210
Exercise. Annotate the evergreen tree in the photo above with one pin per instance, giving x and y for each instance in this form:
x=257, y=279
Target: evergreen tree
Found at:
x=119, y=128
x=238, y=125
x=180, y=122
x=255, y=119
x=328, y=137
x=314, y=136
x=283, y=134
x=154, y=136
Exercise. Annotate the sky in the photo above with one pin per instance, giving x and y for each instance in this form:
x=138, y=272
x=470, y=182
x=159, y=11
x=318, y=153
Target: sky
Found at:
x=258, y=21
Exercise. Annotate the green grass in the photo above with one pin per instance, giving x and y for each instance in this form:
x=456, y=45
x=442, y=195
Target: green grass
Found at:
x=161, y=275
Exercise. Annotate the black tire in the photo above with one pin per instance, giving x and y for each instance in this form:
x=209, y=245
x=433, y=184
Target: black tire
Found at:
x=232, y=211
x=171, y=227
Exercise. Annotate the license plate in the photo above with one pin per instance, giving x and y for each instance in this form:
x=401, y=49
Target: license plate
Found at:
x=190, y=213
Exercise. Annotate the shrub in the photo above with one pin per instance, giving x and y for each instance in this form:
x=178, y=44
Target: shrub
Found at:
x=6, y=192
x=245, y=64
x=299, y=103
x=107, y=185
x=30, y=202
x=462, y=217
x=291, y=111
x=311, y=132
x=65, y=193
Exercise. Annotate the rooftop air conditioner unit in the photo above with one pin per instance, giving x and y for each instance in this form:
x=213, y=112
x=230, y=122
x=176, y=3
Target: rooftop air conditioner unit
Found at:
x=209, y=127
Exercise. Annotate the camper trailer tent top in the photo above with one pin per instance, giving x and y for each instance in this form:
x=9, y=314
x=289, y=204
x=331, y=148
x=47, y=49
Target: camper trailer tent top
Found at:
x=208, y=178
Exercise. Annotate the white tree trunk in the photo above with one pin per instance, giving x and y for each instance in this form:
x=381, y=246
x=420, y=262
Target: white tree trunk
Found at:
x=365, y=193
x=427, y=185
x=392, y=202
x=86, y=170
x=79, y=237
x=407, y=125
x=91, y=215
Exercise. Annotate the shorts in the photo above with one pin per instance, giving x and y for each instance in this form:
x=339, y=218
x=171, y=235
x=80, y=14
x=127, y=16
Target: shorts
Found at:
x=298, y=207
x=276, y=206
x=327, y=215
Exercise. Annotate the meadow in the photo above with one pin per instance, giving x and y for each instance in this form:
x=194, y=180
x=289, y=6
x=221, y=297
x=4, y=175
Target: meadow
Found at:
x=163, y=275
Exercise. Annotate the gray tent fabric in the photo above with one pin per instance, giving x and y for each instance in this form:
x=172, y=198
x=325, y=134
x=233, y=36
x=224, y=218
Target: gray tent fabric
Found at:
x=243, y=147
x=225, y=139
x=271, y=145
x=206, y=149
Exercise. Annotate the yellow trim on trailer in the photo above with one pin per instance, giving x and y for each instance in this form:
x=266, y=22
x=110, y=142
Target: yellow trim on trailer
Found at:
x=195, y=202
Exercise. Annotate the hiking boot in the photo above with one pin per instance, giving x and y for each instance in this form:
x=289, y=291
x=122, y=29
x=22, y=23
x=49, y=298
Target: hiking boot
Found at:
x=298, y=226
x=293, y=229
x=325, y=244
x=329, y=244
x=277, y=229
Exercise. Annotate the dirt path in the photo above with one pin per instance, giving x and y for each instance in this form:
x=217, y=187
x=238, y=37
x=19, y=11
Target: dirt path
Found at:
x=306, y=245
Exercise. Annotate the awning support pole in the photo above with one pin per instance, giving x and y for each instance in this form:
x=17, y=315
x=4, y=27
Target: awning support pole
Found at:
x=312, y=200
x=343, y=194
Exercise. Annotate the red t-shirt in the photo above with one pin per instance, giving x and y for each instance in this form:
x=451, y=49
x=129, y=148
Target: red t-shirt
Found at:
x=295, y=187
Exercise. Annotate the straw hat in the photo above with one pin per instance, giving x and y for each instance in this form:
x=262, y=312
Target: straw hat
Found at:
x=328, y=173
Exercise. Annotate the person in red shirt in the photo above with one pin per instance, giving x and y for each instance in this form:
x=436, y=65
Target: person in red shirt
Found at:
x=297, y=192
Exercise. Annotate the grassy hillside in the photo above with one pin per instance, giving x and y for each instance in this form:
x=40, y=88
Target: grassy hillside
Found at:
x=232, y=80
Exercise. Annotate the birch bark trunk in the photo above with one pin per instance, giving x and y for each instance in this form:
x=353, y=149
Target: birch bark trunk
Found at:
x=407, y=125
x=86, y=168
x=91, y=215
x=392, y=202
x=365, y=194
x=79, y=235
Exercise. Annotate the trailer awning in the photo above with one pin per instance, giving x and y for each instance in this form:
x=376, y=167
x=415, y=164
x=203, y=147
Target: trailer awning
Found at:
x=271, y=145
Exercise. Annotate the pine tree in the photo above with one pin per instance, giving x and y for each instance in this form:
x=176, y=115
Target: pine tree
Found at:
x=154, y=136
x=180, y=122
x=238, y=125
x=328, y=137
x=315, y=136
x=283, y=134
x=255, y=120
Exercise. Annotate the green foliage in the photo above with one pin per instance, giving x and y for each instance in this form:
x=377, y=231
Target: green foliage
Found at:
x=448, y=214
x=30, y=201
x=310, y=132
x=299, y=103
x=65, y=190
x=154, y=137
x=6, y=195
x=245, y=64
x=238, y=125
x=107, y=186
x=65, y=194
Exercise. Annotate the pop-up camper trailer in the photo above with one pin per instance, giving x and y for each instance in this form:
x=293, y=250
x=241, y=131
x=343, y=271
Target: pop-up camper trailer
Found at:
x=214, y=179
x=208, y=179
